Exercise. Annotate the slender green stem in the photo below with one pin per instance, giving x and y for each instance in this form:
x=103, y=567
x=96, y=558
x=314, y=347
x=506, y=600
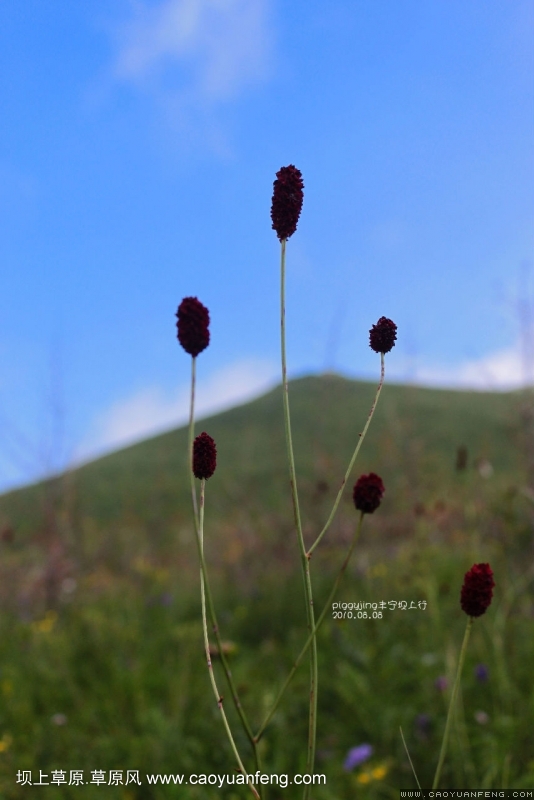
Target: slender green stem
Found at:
x=203, y=582
x=206, y=586
x=191, y=437
x=285, y=392
x=312, y=731
x=302, y=653
x=452, y=703
x=411, y=763
x=353, y=459
x=228, y=672
x=239, y=708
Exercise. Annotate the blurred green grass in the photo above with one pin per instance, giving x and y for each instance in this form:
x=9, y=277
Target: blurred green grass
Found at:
x=101, y=658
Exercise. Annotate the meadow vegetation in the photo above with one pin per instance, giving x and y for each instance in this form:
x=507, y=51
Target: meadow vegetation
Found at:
x=101, y=655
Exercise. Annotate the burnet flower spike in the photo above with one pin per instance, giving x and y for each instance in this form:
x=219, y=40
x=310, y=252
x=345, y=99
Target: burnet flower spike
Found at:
x=287, y=201
x=475, y=599
x=193, y=326
x=382, y=335
x=368, y=492
x=204, y=456
x=477, y=590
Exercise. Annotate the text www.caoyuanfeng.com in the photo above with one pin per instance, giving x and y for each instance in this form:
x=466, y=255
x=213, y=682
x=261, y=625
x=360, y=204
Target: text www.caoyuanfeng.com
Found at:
x=119, y=778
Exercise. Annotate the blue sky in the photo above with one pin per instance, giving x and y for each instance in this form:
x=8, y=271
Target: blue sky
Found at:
x=139, y=140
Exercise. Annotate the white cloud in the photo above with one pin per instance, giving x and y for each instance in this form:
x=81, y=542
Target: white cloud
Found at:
x=505, y=369
x=151, y=410
x=212, y=48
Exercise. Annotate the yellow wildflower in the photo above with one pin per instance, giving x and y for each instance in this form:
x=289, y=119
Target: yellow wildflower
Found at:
x=46, y=624
x=375, y=774
x=379, y=772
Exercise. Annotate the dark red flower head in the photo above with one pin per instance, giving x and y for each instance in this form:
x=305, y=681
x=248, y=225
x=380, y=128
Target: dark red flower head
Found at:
x=368, y=493
x=477, y=590
x=382, y=335
x=204, y=456
x=287, y=201
x=193, y=325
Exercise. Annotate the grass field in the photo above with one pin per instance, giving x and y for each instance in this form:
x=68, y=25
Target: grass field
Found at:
x=101, y=655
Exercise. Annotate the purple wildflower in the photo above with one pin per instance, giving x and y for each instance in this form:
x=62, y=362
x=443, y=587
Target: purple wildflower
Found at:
x=423, y=725
x=357, y=755
x=481, y=673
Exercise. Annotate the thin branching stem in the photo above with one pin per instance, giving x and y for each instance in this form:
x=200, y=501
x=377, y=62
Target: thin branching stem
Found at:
x=312, y=731
x=452, y=703
x=353, y=459
x=227, y=671
x=203, y=583
x=302, y=653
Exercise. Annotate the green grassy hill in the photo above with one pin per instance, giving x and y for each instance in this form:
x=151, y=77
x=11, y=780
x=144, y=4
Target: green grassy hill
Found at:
x=135, y=503
x=412, y=443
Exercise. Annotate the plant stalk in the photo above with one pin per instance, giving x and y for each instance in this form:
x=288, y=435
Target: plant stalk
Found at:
x=411, y=762
x=203, y=583
x=191, y=437
x=312, y=731
x=452, y=703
